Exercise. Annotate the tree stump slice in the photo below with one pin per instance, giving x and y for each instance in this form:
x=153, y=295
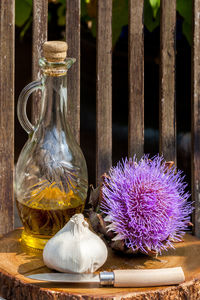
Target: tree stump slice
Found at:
x=16, y=262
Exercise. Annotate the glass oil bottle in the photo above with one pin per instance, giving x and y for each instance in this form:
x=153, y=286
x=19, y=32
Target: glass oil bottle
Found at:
x=51, y=175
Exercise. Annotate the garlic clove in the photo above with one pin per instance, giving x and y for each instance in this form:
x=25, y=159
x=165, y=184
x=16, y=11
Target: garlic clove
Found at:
x=75, y=248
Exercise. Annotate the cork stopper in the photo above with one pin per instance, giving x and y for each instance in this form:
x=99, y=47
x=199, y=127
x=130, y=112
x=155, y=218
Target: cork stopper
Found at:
x=55, y=51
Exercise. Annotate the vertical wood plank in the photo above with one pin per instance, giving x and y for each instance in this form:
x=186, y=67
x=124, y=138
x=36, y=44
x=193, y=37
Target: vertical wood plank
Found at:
x=104, y=88
x=167, y=127
x=40, y=22
x=136, y=79
x=73, y=12
x=7, y=50
x=195, y=116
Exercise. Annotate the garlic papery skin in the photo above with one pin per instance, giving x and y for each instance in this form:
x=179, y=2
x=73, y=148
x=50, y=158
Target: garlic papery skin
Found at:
x=75, y=248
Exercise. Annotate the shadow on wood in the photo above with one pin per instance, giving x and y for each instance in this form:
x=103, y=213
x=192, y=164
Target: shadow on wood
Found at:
x=16, y=263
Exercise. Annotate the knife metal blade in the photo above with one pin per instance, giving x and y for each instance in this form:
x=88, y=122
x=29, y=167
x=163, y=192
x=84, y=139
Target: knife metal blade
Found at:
x=66, y=277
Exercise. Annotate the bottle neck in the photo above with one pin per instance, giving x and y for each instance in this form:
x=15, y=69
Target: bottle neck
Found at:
x=54, y=96
x=54, y=104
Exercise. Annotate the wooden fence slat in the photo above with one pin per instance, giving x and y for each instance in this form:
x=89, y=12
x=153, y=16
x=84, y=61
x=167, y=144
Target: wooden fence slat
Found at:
x=136, y=79
x=104, y=88
x=7, y=50
x=195, y=116
x=167, y=127
x=73, y=12
x=40, y=23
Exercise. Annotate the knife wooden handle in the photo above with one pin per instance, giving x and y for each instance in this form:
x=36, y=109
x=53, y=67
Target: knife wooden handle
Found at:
x=148, y=277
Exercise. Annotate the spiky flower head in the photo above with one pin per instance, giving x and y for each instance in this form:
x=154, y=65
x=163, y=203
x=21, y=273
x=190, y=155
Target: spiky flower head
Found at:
x=146, y=204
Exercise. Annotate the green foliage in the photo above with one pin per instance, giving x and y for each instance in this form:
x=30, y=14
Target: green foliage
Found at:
x=119, y=19
x=151, y=14
x=155, y=4
x=23, y=15
x=184, y=7
x=61, y=15
x=23, y=9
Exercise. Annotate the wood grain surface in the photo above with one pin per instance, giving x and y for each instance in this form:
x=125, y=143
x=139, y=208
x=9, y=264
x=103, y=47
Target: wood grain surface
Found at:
x=16, y=262
x=104, y=88
x=167, y=117
x=195, y=116
x=40, y=22
x=7, y=50
x=73, y=12
x=136, y=79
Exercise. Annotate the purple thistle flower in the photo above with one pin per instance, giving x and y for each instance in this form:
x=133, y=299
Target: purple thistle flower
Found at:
x=146, y=204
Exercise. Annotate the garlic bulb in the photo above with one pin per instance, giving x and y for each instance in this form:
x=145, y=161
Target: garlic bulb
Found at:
x=75, y=248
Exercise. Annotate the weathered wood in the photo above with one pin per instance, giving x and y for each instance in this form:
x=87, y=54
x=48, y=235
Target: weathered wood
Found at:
x=167, y=80
x=195, y=116
x=73, y=12
x=136, y=79
x=7, y=50
x=17, y=262
x=40, y=22
x=104, y=88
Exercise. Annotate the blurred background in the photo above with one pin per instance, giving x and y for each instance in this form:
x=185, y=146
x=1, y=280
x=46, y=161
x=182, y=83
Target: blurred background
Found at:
x=56, y=29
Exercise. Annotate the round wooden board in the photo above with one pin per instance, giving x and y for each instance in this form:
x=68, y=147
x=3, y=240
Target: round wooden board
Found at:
x=17, y=262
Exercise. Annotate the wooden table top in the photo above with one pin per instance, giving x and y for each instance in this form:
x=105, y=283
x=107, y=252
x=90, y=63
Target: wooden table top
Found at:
x=16, y=262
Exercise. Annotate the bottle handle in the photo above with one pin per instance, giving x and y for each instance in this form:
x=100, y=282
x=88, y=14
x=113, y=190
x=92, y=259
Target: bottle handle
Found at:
x=22, y=103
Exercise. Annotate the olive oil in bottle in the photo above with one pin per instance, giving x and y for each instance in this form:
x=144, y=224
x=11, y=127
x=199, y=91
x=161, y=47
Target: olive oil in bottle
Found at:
x=40, y=224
